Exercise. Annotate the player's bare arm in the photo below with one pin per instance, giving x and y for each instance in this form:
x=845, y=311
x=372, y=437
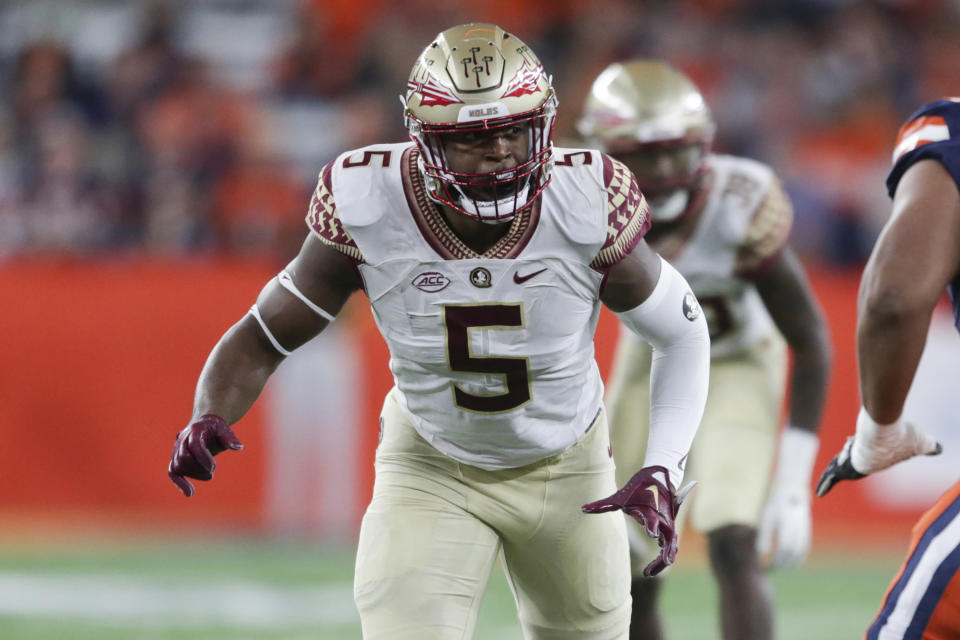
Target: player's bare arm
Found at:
x=653, y=300
x=632, y=280
x=290, y=310
x=789, y=300
x=915, y=258
x=785, y=531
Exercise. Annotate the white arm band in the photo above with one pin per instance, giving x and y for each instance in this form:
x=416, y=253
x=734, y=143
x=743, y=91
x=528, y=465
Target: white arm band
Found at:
x=287, y=283
x=671, y=320
x=263, y=325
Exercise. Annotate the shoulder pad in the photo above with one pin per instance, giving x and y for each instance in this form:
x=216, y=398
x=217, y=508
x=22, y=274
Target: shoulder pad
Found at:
x=323, y=219
x=628, y=215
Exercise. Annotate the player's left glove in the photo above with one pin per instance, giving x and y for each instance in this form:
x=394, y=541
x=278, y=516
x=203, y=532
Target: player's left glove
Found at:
x=194, y=448
x=785, y=529
x=875, y=447
x=649, y=497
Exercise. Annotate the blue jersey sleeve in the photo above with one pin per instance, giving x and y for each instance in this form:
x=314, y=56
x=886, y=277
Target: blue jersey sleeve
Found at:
x=933, y=131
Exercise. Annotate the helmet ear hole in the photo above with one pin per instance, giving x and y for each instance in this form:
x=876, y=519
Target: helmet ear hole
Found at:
x=474, y=78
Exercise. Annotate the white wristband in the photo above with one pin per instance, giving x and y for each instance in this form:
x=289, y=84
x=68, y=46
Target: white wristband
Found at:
x=873, y=439
x=798, y=453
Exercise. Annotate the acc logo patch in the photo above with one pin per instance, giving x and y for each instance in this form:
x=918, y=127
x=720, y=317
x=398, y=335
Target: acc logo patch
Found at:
x=480, y=277
x=431, y=281
x=691, y=308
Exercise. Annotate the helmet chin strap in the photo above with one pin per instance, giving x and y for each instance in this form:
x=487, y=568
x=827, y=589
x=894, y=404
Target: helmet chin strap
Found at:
x=669, y=208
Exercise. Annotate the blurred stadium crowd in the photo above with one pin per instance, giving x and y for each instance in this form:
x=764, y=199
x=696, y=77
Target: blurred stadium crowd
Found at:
x=184, y=128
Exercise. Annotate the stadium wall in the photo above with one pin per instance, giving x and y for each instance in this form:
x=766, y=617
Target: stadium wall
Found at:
x=99, y=364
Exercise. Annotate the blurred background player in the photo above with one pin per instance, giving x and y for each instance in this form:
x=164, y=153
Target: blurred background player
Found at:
x=915, y=259
x=485, y=254
x=724, y=222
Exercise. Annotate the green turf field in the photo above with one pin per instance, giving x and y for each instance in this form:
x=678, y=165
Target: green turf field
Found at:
x=260, y=591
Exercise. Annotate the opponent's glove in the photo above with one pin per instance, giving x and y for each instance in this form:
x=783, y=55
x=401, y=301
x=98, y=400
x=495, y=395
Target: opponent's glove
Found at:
x=194, y=448
x=785, y=528
x=875, y=447
x=650, y=498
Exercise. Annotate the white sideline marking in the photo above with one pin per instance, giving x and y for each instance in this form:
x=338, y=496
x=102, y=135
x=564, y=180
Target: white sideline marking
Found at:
x=118, y=598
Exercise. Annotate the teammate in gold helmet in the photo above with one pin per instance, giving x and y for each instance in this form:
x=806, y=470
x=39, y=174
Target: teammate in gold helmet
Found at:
x=724, y=222
x=651, y=116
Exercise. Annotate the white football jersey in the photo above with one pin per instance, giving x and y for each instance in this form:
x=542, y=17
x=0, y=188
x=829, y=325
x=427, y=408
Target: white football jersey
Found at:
x=492, y=353
x=744, y=221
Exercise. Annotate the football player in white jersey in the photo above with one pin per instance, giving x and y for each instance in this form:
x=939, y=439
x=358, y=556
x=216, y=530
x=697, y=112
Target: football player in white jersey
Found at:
x=485, y=253
x=723, y=221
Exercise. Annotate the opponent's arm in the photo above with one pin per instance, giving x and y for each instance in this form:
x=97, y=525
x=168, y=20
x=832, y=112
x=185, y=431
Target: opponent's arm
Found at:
x=916, y=256
x=785, y=529
x=653, y=300
x=290, y=310
x=914, y=259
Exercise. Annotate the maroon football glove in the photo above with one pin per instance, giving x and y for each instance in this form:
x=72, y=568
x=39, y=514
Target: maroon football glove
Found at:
x=195, y=447
x=654, y=505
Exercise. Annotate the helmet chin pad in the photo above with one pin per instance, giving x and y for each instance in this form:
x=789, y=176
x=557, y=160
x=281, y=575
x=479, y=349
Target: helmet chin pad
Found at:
x=497, y=210
x=491, y=198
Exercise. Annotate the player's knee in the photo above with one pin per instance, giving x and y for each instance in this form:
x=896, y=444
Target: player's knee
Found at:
x=733, y=551
x=403, y=607
x=618, y=630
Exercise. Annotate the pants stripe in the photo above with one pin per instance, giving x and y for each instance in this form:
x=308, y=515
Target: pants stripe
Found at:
x=940, y=523
x=941, y=578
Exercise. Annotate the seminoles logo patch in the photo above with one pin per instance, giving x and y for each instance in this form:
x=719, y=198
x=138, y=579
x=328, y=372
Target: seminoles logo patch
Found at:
x=525, y=82
x=432, y=93
x=480, y=277
x=431, y=281
x=691, y=308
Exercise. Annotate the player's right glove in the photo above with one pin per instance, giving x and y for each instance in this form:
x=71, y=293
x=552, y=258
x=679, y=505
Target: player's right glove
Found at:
x=649, y=497
x=875, y=447
x=194, y=448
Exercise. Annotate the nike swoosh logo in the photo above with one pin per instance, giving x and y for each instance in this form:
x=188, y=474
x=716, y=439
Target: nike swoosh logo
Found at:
x=519, y=279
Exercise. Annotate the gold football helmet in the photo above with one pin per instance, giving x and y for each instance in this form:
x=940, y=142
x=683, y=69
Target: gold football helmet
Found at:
x=654, y=119
x=477, y=77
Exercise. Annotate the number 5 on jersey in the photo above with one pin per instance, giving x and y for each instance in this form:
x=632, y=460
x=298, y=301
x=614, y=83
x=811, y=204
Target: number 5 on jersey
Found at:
x=458, y=321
